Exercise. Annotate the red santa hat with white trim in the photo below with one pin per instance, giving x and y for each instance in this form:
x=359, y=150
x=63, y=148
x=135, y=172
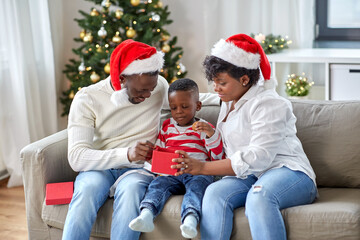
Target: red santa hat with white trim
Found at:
x=132, y=57
x=244, y=51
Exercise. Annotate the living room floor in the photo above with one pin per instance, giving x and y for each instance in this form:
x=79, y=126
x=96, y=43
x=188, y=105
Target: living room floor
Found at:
x=13, y=224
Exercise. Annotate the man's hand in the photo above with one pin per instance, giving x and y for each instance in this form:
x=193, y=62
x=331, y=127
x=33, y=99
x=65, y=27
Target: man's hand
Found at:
x=204, y=127
x=142, y=151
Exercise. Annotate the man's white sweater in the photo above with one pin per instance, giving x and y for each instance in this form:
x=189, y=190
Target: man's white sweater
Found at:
x=100, y=133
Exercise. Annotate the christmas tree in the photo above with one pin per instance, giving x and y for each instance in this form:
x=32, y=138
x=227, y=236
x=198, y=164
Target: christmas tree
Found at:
x=107, y=24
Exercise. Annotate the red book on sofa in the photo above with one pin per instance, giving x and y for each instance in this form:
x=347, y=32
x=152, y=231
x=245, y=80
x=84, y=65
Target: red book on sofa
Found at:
x=162, y=160
x=59, y=193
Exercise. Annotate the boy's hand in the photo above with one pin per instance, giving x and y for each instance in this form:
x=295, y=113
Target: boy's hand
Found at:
x=141, y=151
x=204, y=127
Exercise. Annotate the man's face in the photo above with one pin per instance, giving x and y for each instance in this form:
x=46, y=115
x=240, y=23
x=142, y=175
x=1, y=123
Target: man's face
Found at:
x=139, y=86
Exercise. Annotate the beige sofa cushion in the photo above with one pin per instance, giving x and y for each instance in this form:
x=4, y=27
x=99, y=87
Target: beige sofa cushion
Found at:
x=330, y=134
x=334, y=215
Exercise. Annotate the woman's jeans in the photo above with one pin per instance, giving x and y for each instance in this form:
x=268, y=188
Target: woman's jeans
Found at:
x=263, y=199
x=193, y=188
x=91, y=190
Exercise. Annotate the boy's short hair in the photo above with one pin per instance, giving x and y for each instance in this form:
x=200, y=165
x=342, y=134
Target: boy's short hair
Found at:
x=183, y=84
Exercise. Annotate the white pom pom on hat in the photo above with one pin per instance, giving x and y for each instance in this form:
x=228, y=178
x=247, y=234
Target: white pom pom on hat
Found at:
x=244, y=51
x=132, y=57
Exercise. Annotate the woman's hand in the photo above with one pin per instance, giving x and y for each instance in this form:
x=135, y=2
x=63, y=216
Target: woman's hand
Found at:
x=187, y=164
x=204, y=127
x=141, y=151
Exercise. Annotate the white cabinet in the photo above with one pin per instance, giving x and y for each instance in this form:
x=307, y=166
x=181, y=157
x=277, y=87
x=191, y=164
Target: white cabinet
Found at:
x=344, y=82
x=326, y=56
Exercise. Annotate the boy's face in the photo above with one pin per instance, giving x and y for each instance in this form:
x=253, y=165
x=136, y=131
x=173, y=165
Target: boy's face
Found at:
x=183, y=106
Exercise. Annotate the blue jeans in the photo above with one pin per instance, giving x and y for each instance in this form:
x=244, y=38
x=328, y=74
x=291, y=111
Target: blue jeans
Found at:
x=193, y=188
x=263, y=199
x=91, y=190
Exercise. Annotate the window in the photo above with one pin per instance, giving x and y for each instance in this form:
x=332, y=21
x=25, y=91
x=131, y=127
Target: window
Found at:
x=338, y=20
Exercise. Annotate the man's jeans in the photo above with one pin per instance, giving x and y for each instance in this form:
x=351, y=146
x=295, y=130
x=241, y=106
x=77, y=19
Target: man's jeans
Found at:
x=91, y=190
x=193, y=188
x=263, y=199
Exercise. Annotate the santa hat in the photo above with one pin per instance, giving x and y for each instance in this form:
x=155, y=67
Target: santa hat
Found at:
x=244, y=51
x=131, y=57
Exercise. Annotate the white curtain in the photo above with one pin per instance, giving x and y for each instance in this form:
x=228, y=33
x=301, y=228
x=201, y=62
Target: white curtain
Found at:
x=28, y=108
x=201, y=23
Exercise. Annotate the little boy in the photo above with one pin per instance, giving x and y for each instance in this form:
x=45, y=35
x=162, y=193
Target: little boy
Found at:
x=178, y=133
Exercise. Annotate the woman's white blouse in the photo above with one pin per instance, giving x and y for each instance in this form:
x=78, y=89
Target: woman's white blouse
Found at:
x=260, y=134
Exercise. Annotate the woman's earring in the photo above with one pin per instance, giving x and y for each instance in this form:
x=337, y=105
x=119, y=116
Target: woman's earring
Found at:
x=244, y=84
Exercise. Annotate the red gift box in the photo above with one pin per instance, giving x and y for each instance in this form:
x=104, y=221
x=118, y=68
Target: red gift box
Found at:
x=59, y=193
x=162, y=160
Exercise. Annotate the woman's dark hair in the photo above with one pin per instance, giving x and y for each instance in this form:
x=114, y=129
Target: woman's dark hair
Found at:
x=214, y=65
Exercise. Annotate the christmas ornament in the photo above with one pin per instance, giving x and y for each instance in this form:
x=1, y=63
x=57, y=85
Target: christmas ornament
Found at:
x=71, y=95
x=106, y=3
x=81, y=67
x=182, y=67
x=119, y=14
x=88, y=37
x=102, y=32
x=135, y=2
x=107, y=68
x=130, y=33
x=94, y=77
x=94, y=12
x=82, y=34
x=116, y=38
x=165, y=48
x=173, y=79
x=159, y=4
x=165, y=37
x=155, y=17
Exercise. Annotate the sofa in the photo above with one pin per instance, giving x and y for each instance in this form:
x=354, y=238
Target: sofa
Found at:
x=328, y=130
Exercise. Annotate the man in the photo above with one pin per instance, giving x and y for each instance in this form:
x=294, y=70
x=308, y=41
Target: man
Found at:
x=109, y=123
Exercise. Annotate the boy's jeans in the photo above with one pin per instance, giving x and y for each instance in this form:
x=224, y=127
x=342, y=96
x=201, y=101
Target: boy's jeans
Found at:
x=91, y=189
x=263, y=199
x=193, y=188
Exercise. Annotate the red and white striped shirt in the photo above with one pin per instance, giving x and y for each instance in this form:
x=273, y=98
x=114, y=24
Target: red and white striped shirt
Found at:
x=197, y=145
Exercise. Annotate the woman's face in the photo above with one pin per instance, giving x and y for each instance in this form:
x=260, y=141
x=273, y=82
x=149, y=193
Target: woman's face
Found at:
x=229, y=88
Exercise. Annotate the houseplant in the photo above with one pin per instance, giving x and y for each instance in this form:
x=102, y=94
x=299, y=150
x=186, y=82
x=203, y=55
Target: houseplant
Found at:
x=298, y=85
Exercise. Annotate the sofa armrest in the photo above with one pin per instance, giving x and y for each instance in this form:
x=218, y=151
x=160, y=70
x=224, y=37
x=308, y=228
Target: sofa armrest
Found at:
x=44, y=161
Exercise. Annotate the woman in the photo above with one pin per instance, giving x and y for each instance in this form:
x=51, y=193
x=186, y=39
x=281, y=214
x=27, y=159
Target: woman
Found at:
x=266, y=167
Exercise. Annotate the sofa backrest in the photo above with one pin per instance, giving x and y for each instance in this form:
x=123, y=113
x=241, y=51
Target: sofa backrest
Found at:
x=330, y=134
